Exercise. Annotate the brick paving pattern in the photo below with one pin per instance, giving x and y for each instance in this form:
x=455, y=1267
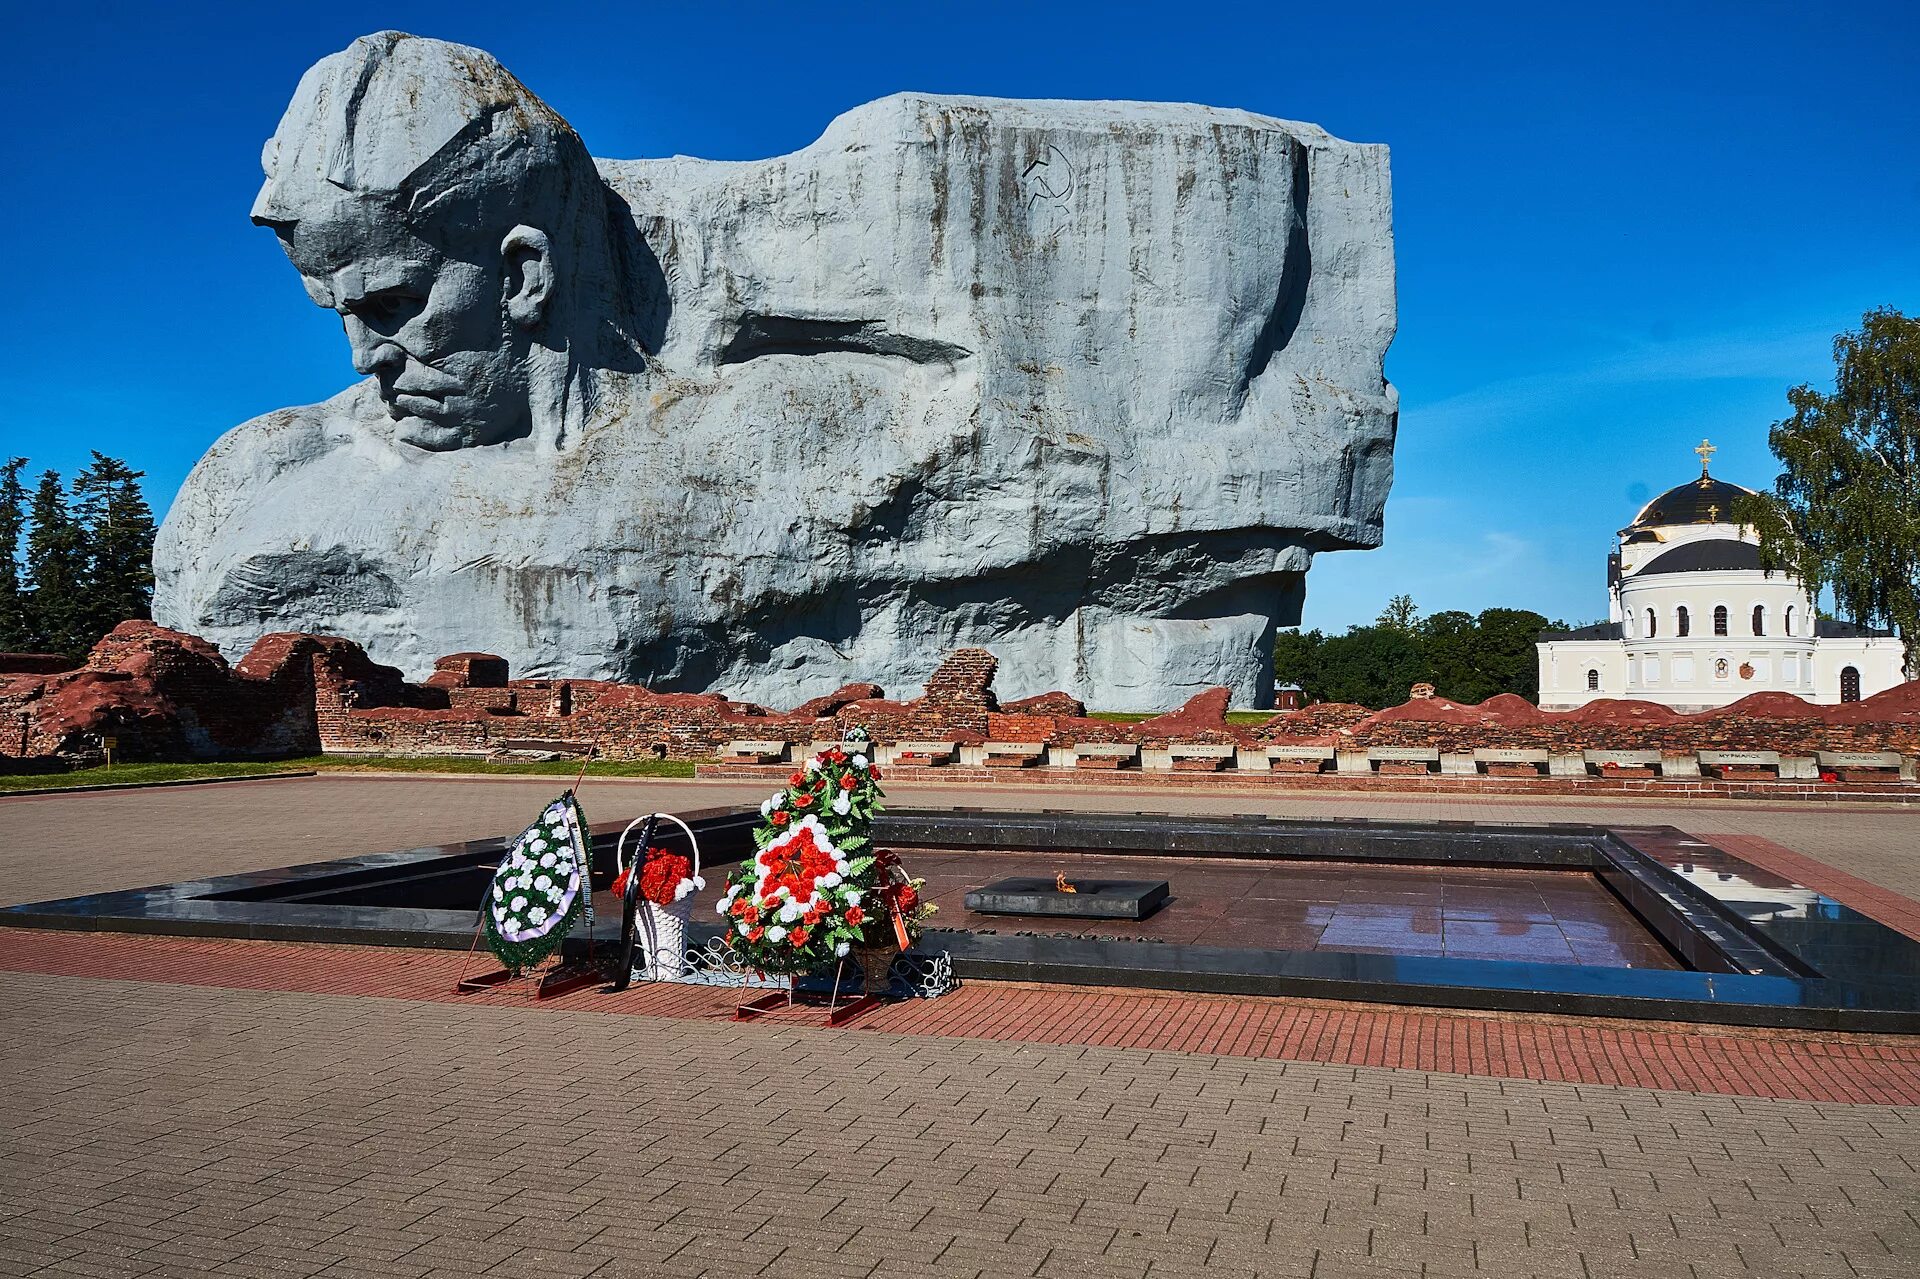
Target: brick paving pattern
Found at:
x=183, y=1130
x=1796, y=1065
x=164, y=1120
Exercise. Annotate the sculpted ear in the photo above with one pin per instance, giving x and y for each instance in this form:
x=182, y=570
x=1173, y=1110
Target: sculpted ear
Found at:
x=527, y=259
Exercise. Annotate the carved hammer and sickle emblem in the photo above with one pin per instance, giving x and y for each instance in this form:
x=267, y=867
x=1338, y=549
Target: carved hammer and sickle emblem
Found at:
x=1048, y=178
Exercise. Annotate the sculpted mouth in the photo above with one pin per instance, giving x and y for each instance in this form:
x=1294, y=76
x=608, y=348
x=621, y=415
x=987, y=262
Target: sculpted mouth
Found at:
x=416, y=402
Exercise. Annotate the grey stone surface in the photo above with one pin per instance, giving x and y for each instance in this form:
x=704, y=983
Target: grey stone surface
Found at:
x=1084, y=382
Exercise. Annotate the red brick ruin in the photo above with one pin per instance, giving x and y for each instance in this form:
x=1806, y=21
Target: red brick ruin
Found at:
x=165, y=695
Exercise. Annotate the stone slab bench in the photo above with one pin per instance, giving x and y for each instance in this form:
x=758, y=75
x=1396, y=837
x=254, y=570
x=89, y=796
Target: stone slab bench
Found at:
x=1506, y=761
x=923, y=754
x=1863, y=766
x=1198, y=757
x=1741, y=766
x=850, y=748
x=1403, y=761
x=1012, y=754
x=746, y=752
x=1109, y=755
x=1622, y=763
x=1289, y=759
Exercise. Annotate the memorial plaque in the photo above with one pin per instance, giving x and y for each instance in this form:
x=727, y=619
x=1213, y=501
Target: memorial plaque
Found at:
x=1088, y=898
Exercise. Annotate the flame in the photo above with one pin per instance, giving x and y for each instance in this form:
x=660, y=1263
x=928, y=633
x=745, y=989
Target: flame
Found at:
x=1060, y=883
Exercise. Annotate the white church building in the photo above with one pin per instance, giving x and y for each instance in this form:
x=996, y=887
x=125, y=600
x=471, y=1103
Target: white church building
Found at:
x=1697, y=623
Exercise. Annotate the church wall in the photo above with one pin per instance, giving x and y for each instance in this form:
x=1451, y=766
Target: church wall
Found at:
x=1563, y=671
x=1877, y=660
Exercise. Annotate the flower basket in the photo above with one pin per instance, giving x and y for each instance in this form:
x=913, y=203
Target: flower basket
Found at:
x=662, y=927
x=876, y=967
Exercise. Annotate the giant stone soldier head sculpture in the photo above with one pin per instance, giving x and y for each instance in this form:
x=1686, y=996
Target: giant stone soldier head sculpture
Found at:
x=1088, y=384
x=460, y=229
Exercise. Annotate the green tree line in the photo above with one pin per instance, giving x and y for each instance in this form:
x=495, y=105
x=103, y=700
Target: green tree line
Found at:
x=75, y=560
x=1845, y=513
x=1466, y=658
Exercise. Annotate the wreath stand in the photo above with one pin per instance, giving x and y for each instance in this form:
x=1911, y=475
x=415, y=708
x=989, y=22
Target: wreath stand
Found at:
x=563, y=978
x=838, y=1014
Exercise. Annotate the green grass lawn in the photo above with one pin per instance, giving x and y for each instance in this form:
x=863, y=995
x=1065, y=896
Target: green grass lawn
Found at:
x=124, y=774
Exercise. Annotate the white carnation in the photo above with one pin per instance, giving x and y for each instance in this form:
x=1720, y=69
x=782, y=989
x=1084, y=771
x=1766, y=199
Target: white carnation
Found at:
x=548, y=859
x=518, y=904
x=841, y=950
x=843, y=802
x=853, y=897
x=683, y=889
x=744, y=927
x=842, y=867
x=776, y=933
x=543, y=883
x=832, y=879
x=700, y=883
x=859, y=761
x=499, y=893
x=538, y=915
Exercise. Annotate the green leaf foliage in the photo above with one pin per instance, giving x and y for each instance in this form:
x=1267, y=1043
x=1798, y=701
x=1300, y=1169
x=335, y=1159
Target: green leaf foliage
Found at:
x=1466, y=658
x=1844, y=514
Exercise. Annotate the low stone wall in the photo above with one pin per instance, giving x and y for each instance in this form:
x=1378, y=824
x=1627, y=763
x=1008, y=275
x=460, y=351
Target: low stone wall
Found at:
x=165, y=695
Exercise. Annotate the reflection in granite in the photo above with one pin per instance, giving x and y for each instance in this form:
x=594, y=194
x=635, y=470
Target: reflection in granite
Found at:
x=1535, y=916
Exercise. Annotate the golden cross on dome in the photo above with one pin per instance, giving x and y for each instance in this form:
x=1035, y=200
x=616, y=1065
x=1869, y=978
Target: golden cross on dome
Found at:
x=1705, y=451
x=1713, y=513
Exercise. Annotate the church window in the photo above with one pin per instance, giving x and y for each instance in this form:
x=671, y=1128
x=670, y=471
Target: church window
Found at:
x=1849, y=683
x=1719, y=619
x=1593, y=681
x=1683, y=623
x=1789, y=619
x=1653, y=627
x=1759, y=619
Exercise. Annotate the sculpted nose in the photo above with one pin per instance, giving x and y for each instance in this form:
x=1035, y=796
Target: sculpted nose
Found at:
x=371, y=351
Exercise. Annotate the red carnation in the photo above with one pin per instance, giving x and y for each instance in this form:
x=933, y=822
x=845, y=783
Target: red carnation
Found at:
x=779, y=817
x=907, y=899
x=755, y=934
x=803, y=799
x=798, y=936
x=740, y=907
x=856, y=916
x=847, y=782
x=874, y=773
x=796, y=779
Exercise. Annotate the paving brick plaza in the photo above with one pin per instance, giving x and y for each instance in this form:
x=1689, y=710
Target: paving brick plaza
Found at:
x=183, y=1107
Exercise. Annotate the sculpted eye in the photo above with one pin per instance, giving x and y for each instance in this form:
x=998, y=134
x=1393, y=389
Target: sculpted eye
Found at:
x=389, y=308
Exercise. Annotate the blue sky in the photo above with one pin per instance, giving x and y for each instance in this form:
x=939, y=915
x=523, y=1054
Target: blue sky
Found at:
x=1617, y=232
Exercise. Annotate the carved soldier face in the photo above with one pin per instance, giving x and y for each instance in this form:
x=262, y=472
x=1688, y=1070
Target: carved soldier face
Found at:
x=446, y=337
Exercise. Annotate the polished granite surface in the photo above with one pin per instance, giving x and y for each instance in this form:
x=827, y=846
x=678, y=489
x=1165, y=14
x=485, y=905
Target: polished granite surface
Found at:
x=1342, y=909
x=1533, y=916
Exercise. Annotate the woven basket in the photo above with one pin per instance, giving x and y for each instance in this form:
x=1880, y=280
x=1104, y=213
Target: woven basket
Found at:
x=663, y=929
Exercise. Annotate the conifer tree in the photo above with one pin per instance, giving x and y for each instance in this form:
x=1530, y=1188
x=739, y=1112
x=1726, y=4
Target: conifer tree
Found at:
x=116, y=529
x=56, y=572
x=14, y=630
